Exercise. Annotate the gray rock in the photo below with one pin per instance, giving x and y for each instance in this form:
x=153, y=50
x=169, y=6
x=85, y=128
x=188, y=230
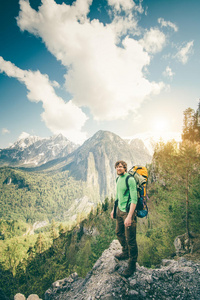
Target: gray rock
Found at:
x=133, y=282
x=133, y=293
x=143, y=294
x=33, y=297
x=172, y=280
x=19, y=297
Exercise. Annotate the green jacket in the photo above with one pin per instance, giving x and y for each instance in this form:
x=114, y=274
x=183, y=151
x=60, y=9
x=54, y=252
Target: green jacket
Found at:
x=121, y=188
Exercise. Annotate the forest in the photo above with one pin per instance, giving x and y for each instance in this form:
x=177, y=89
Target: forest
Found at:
x=31, y=263
x=31, y=196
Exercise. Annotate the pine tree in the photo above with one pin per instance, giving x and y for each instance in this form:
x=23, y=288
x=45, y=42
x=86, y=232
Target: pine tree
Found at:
x=177, y=169
x=53, y=231
x=189, y=162
x=191, y=128
x=61, y=229
x=40, y=244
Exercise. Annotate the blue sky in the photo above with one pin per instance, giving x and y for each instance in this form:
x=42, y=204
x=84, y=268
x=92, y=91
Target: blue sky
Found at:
x=75, y=67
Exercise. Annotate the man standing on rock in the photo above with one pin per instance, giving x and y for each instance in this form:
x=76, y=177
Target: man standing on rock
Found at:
x=126, y=221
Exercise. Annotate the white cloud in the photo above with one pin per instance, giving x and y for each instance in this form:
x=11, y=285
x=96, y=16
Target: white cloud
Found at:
x=23, y=135
x=122, y=4
x=164, y=23
x=59, y=117
x=168, y=72
x=106, y=78
x=184, y=52
x=153, y=41
x=5, y=131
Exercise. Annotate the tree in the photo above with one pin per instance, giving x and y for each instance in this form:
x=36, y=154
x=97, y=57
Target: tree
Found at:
x=61, y=229
x=105, y=204
x=53, y=231
x=177, y=171
x=189, y=162
x=191, y=128
x=40, y=244
x=30, y=253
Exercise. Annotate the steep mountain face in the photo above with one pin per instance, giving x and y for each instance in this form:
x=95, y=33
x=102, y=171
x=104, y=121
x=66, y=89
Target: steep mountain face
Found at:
x=94, y=161
x=34, y=151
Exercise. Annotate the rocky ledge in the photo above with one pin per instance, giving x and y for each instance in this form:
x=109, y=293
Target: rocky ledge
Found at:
x=175, y=279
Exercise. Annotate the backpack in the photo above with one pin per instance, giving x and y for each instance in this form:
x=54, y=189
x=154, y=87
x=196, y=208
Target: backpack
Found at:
x=140, y=175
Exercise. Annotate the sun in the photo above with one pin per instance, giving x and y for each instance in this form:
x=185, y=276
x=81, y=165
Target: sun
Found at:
x=160, y=125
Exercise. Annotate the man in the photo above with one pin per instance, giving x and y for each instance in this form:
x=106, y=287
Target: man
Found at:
x=126, y=221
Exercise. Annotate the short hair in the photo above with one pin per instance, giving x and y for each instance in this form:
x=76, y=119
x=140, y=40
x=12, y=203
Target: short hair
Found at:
x=124, y=164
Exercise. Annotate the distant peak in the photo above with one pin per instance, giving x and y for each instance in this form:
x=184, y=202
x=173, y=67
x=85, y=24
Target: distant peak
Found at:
x=58, y=137
x=23, y=135
x=103, y=133
x=25, y=140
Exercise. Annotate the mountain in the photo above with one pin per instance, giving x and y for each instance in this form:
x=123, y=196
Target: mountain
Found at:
x=77, y=179
x=34, y=151
x=94, y=161
x=150, y=139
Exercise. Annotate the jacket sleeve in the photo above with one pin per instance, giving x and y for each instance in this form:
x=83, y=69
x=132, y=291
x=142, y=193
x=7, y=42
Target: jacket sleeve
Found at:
x=133, y=190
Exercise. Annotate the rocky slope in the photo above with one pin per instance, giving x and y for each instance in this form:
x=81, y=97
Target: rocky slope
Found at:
x=175, y=279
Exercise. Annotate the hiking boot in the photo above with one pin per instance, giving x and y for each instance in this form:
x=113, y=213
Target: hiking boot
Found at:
x=130, y=270
x=122, y=256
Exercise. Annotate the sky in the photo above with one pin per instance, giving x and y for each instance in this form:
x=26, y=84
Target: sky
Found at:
x=76, y=67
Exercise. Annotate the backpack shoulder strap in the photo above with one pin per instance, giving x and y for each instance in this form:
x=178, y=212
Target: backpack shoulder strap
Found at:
x=127, y=185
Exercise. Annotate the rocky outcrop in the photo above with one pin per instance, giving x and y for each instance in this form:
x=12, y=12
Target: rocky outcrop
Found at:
x=185, y=245
x=173, y=280
x=22, y=297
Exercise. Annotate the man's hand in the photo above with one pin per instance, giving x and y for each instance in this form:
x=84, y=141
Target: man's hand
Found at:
x=111, y=214
x=127, y=221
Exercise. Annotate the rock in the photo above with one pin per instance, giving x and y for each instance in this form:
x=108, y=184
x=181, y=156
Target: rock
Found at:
x=30, y=297
x=185, y=245
x=143, y=294
x=19, y=297
x=33, y=297
x=173, y=280
x=133, y=282
x=133, y=293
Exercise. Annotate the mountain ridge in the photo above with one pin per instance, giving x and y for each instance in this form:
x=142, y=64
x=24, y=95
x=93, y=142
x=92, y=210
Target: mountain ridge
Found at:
x=34, y=151
x=20, y=153
x=92, y=162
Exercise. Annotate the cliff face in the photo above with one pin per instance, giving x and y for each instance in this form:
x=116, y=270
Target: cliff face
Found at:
x=94, y=161
x=173, y=280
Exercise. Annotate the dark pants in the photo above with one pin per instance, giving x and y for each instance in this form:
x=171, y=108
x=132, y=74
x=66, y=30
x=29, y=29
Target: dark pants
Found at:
x=127, y=235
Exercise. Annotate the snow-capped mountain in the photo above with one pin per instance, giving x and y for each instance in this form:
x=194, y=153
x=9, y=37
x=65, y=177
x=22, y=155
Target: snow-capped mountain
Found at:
x=93, y=162
x=33, y=150
x=25, y=140
x=150, y=139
